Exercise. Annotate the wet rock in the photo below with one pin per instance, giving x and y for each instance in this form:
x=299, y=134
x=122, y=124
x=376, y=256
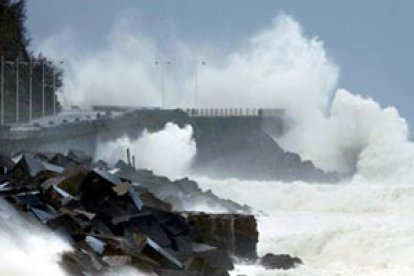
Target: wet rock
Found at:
x=180, y=194
x=236, y=234
x=27, y=167
x=62, y=160
x=56, y=195
x=80, y=262
x=42, y=215
x=74, y=175
x=149, y=200
x=173, y=223
x=150, y=227
x=216, y=258
x=66, y=225
x=183, y=247
x=200, y=266
x=96, y=244
x=282, y=261
x=27, y=199
x=166, y=259
x=80, y=157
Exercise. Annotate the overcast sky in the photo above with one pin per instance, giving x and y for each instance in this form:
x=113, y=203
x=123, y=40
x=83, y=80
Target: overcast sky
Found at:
x=370, y=40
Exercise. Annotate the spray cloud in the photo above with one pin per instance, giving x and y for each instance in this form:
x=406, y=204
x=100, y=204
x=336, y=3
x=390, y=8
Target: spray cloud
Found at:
x=276, y=67
x=167, y=152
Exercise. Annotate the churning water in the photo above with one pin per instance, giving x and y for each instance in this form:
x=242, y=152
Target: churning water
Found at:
x=340, y=229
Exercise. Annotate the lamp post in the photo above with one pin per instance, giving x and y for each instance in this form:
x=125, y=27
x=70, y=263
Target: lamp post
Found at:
x=30, y=79
x=31, y=64
x=54, y=88
x=2, y=91
x=162, y=64
x=17, y=91
x=43, y=88
x=196, y=95
x=30, y=90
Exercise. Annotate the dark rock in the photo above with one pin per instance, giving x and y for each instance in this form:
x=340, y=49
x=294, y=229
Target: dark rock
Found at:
x=42, y=215
x=181, y=194
x=216, y=258
x=94, y=191
x=236, y=234
x=165, y=258
x=173, y=223
x=183, y=247
x=99, y=227
x=31, y=199
x=54, y=194
x=96, y=244
x=74, y=175
x=80, y=262
x=62, y=160
x=67, y=225
x=27, y=167
x=150, y=227
x=53, y=168
x=80, y=157
x=149, y=200
x=283, y=261
x=100, y=165
x=200, y=266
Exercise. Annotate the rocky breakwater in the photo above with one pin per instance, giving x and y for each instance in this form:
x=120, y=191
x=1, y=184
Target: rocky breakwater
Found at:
x=112, y=222
x=183, y=194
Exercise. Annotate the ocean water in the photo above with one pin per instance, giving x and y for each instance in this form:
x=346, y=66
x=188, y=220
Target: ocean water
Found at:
x=27, y=248
x=351, y=228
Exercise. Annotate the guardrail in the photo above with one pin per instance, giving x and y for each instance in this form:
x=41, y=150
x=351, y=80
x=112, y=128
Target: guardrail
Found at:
x=235, y=112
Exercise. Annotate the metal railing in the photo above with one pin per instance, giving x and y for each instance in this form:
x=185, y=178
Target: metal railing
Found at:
x=234, y=112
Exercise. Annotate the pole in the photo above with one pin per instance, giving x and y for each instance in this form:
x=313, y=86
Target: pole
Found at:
x=162, y=87
x=43, y=87
x=30, y=90
x=2, y=90
x=54, y=90
x=157, y=63
x=17, y=91
x=197, y=104
x=196, y=86
x=128, y=157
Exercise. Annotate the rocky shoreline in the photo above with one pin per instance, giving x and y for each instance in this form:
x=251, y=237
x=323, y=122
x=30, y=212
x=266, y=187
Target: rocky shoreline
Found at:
x=116, y=217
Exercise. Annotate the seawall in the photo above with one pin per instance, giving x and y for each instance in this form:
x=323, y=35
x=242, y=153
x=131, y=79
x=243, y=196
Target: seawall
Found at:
x=230, y=142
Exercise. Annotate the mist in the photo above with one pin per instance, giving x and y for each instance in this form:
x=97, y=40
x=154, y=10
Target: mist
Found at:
x=167, y=152
x=279, y=67
x=23, y=246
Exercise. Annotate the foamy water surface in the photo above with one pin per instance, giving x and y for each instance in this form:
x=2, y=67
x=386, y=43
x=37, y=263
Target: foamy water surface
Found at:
x=353, y=228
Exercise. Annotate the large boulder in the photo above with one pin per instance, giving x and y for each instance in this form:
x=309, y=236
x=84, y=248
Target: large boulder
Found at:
x=281, y=261
x=237, y=234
